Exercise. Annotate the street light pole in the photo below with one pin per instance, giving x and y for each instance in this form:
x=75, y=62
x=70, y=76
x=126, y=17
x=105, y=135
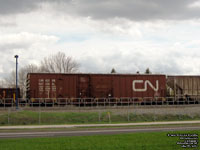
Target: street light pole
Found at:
x=16, y=97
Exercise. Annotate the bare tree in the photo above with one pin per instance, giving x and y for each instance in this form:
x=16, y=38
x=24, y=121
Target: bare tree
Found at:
x=2, y=83
x=22, y=76
x=10, y=80
x=59, y=63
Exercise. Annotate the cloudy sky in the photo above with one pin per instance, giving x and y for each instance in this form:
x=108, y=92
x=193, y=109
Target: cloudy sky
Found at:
x=129, y=35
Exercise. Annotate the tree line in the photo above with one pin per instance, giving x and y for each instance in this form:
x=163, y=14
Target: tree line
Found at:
x=147, y=71
x=58, y=63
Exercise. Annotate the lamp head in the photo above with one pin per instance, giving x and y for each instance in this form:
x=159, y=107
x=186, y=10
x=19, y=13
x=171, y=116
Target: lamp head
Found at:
x=16, y=56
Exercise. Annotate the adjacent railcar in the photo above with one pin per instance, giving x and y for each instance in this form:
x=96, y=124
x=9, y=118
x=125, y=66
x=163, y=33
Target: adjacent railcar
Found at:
x=185, y=88
x=42, y=86
x=7, y=95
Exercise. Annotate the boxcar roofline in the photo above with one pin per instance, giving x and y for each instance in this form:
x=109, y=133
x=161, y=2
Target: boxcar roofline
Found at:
x=183, y=76
x=128, y=74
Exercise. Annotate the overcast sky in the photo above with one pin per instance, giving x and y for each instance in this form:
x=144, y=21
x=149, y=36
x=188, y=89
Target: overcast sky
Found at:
x=129, y=35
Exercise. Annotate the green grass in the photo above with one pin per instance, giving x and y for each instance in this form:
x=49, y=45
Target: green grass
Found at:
x=35, y=118
x=133, y=141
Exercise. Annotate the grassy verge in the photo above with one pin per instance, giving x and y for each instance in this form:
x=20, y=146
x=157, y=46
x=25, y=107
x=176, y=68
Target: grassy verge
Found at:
x=136, y=141
x=35, y=118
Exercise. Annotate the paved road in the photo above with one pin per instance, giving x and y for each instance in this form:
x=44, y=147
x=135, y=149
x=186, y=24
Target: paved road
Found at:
x=94, y=132
x=100, y=125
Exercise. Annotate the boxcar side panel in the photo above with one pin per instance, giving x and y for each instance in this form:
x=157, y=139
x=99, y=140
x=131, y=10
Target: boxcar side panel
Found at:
x=52, y=86
x=101, y=86
x=83, y=86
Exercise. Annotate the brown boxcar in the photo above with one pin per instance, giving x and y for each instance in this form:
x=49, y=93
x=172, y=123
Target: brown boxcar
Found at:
x=45, y=85
x=183, y=86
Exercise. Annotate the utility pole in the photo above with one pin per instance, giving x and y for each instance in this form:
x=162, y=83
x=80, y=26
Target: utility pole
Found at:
x=16, y=97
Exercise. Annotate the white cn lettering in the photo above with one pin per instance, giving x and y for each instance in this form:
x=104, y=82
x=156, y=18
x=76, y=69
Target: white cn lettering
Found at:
x=146, y=82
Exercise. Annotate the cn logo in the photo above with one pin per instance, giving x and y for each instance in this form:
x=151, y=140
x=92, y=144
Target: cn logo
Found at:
x=146, y=82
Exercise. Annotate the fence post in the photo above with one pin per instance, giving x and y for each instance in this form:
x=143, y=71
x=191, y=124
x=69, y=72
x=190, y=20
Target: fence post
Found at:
x=99, y=116
x=4, y=103
x=39, y=121
x=8, y=116
x=109, y=118
x=128, y=114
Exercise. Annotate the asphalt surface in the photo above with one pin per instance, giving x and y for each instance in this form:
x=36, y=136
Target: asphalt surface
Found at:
x=86, y=132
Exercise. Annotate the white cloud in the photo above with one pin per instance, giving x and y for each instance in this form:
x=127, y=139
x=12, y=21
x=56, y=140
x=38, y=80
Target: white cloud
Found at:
x=30, y=47
x=99, y=41
x=195, y=4
x=26, y=38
